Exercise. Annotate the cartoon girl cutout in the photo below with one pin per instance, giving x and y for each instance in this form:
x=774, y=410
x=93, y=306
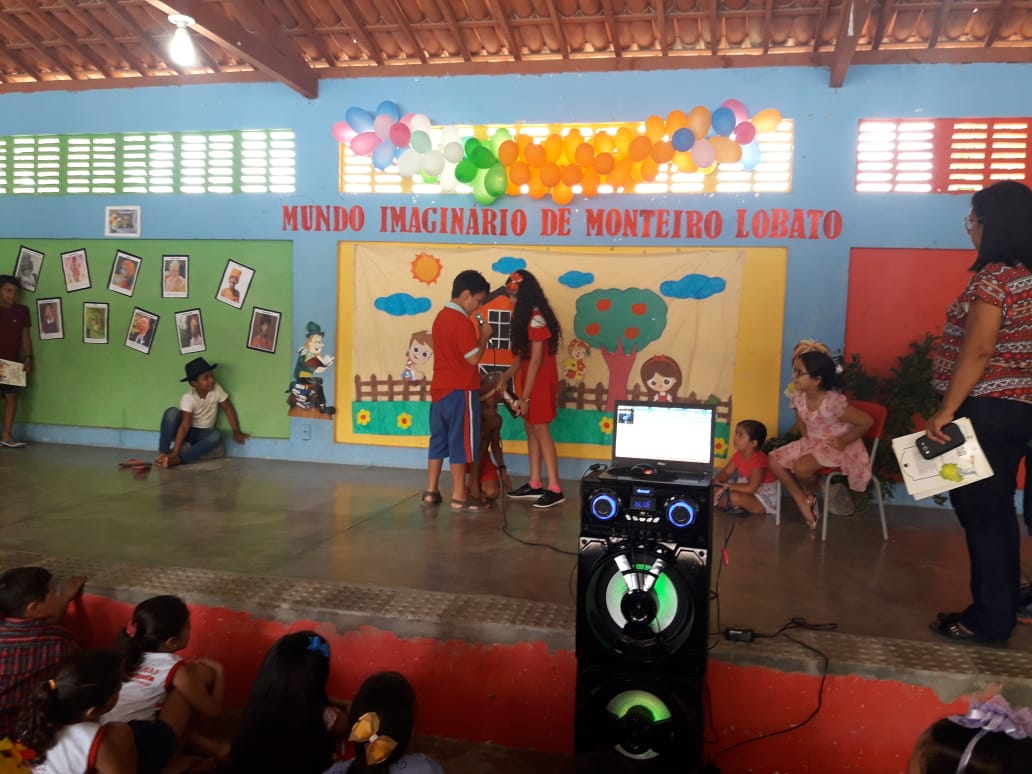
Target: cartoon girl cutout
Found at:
x=420, y=350
x=574, y=366
x=661, y=376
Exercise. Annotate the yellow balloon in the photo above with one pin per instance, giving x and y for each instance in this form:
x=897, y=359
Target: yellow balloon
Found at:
x=727, y=150
x=766, y=120
x=699, y=121
x=553, y=147
x=655, y=128
x=710, y=169
x=604, y=142
x=570, y=144
x=677, y=119
x=624, y=136
x=684, y=162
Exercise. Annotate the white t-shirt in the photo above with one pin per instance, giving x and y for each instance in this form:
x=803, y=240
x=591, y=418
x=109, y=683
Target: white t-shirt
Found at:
x=144, y=692
x=205, y=410
x=74, y=750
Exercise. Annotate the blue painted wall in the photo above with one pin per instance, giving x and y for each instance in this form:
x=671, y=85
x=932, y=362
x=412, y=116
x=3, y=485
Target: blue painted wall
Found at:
x=825, y=134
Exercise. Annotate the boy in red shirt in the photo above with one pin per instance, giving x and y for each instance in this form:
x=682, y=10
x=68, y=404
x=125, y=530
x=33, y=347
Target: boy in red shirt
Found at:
x=455, y=390
x=15, y=346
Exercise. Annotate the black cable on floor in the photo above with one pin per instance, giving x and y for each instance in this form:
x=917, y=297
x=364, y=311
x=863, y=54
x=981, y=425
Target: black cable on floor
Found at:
x=715, y=593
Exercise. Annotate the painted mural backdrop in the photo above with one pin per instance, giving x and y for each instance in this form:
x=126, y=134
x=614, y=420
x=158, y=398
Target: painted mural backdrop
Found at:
x=657, y=325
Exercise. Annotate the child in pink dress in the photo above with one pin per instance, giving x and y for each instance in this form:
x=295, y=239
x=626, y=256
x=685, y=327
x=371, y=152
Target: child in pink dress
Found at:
x=831, y=430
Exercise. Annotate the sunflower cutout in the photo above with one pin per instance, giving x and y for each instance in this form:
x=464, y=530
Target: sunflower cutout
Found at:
x=605, y=424
x=363, y=417
x=720, y=448
x=404, y=420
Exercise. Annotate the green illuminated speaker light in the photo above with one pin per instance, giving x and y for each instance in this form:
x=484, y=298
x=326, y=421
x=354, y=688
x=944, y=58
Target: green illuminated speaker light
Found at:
x=664, y=592
x=624, y=702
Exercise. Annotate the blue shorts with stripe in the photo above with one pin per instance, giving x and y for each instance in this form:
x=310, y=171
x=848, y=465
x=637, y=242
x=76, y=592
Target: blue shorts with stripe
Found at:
x=455, y=427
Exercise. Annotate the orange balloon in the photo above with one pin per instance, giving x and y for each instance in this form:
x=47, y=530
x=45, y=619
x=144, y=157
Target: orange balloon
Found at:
x=684, y=162
x=522, y=141
x=655, y=128
x=537, y=188
x=604, y=163
x=508, y=152
x=589, y=182
x=550, y=174
x=662, y=152
x=623, y=139
x=639, y=148
x=562, y=194
x=572, y=174
x=584, y=155
x=604, y=142
x=699, y=121
x=649, y=170
x=621, y=174
x=570, y=143
x=535, y=155
x=513, y=190
x=519, y=173
x=728, y=151
x=677, y=119
x=553, y=147
x=635, y=176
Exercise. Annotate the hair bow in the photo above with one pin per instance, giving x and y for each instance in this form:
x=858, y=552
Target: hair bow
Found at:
x=992, y=716
x=319, y=645
x=130, y=628
x=378, y=746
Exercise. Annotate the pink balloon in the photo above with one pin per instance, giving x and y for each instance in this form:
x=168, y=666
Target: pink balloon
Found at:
x=736, y=107
x=703, y=153
x=364, y=144
x=745, y=133
x=382, y=126
x=400, y=135
x=342, y=132
x=407, y=119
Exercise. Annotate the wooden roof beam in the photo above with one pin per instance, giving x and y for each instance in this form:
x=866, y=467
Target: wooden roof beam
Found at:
x=224, y=32
x=505, y=30
x=888, y=10
x=318, y=40
x=553, y=16
x=855, y=14
x=358, y=34
x=19, y=28
x=99, y=30
x=822, y=16
x=453, y=23
x=146, y=40
x=714, y=27
x=940, y=22
x=768, y=18
x=1001, y=14
x=48, y=22
x=610, y=25
x=402, y=21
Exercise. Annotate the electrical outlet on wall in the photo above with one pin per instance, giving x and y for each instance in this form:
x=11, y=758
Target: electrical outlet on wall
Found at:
x=306, y=432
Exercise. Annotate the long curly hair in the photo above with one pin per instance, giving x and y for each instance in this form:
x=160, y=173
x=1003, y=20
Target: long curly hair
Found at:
x=154, y=621
x=84, y=681
x=530, y=297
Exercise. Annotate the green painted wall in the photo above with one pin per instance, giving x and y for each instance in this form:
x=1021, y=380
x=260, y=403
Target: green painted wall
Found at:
x=110, y=385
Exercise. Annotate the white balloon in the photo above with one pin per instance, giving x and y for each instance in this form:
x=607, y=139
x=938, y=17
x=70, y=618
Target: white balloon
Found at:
x=449, y=134
x=454, y=152
x=420, y=123
x=447, y=179
x=433, y=163
x=409, y=162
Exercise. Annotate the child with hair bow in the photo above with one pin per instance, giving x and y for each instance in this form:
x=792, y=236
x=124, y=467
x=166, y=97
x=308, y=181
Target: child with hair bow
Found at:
x=385, y=706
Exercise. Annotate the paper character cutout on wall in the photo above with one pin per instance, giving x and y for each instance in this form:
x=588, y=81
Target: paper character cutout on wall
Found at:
x=417, y=357
x=661, y=376
x=306, y=391
x=575, y=365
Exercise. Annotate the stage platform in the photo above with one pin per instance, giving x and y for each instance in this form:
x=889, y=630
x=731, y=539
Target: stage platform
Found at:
x=261, y=543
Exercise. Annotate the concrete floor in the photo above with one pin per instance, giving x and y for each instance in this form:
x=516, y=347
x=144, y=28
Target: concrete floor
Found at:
x=330, y=523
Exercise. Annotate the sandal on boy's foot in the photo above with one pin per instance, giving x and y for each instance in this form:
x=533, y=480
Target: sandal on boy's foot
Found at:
x=132, y=462
x=431, y=497
x=956, y=631
x=471, y=506
x=13, y=444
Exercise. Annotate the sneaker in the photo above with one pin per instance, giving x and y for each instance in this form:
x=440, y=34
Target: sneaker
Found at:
x=549, y=498
x=526, y=492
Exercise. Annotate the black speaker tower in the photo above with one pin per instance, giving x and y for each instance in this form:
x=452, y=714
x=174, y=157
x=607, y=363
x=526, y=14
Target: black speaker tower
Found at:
x=643, y=573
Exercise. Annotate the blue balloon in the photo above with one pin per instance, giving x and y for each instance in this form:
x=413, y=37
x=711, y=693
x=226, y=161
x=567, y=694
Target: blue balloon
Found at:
x=390, y=109
x=683, y=140
x=723, y=121
x=359, y=119
x=750, y=155
x=383, y=154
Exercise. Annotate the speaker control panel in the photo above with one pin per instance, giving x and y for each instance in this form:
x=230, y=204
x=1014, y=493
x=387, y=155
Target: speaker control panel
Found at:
x=613, y=506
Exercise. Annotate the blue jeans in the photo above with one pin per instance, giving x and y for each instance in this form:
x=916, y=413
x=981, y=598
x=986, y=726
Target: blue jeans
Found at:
x=986, y=511
x=201, y=440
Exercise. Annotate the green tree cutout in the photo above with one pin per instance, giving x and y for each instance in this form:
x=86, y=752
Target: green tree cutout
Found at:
x=619, y=323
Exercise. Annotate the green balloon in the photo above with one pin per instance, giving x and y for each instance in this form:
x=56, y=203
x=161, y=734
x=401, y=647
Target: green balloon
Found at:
x=429, y=178
x=465, y=171
x=500, y=136
x=496, y=181
x=480, y=192
x=483, y=158
x=471, y=145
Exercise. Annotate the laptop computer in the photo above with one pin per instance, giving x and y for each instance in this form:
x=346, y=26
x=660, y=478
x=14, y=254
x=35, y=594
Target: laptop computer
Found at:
x=664, y=441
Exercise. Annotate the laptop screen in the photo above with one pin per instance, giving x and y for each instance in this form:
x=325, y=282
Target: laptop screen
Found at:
x=670, y=436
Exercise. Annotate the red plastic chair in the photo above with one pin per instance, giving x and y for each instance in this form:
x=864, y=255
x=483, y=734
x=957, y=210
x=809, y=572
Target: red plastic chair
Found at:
x=878, y=413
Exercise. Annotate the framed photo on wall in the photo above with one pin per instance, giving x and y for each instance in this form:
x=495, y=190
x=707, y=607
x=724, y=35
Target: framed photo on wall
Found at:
x=236, y=280
x=76, y=270
x=264, y=330
x=94, y=323
x=27, y=268
x=124, y=273
x=190, y=331
x=142, y=327
x=51, y=321
x=122, y=221
x=175, y=281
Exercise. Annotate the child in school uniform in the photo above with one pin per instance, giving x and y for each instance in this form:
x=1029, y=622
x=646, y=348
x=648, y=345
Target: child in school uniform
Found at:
x=194, y=421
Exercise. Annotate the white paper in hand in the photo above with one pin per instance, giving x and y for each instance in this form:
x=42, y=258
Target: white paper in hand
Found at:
x=12, y=373
x=957, y=467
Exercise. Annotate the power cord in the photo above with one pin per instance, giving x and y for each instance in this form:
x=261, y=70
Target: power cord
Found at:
x=715, y=593
x=793, y=623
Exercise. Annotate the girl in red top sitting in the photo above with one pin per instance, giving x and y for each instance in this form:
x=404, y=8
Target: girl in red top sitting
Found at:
x=746, y=483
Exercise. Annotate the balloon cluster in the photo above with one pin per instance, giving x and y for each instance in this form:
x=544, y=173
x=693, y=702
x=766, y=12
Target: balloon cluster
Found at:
x=557, y=164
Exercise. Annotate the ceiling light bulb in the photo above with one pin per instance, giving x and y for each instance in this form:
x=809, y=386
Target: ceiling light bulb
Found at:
x=181, y=49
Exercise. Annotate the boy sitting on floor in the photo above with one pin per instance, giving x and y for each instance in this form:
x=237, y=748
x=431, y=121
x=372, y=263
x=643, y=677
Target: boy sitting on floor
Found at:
x=32, y=641
x=193, y=422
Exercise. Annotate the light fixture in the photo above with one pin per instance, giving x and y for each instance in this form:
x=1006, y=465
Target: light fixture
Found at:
x=181, y=49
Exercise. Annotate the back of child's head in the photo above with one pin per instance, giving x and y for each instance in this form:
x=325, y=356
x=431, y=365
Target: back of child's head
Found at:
x=85, y=681
x=287, y=701
x=385, y=702
x=820, y=366
x=991, y=739
x=20, y=587
x=471, y=280
x=7, y=279
x=755, y=431
x=153, y=623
